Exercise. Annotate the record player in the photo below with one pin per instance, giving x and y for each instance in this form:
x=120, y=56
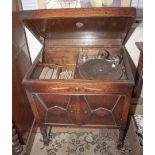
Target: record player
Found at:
x=81, y=77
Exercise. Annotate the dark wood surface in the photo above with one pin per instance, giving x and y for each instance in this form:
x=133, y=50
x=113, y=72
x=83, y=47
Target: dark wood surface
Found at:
x=79, y=102
x=17, y=147
x=79, y=12
x=81, y=26
x=140, y=61
x=21, y=62
x=139, y=74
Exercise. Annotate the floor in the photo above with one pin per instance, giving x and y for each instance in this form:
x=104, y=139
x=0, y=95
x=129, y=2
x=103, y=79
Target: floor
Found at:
x=76, y=141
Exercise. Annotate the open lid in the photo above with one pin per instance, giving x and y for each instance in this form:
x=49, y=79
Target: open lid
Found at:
x=80, y=26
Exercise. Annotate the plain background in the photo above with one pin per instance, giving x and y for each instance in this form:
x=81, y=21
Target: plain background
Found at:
x=6, y=77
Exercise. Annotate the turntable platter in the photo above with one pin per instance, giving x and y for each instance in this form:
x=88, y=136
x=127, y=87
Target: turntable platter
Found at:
x=100, y=69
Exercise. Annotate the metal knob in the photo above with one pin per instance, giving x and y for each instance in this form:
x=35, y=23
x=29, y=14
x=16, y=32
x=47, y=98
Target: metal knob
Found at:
x=102, y=54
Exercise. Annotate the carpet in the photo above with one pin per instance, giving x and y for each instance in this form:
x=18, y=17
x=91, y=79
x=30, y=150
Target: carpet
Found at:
x=76, y=141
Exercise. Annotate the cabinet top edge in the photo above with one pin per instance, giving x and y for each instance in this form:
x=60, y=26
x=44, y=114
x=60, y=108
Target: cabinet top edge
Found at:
x=79, y=12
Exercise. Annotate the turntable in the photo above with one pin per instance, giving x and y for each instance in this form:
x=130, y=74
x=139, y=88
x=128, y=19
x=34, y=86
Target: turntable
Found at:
x=102, y=68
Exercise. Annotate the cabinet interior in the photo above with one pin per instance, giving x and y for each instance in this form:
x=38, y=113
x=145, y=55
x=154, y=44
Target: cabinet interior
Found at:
x=64, y=62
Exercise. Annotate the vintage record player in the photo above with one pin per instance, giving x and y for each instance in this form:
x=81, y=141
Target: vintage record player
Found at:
x=81, y=77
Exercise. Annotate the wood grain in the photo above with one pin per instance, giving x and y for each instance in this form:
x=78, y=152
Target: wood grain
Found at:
x=78, y=102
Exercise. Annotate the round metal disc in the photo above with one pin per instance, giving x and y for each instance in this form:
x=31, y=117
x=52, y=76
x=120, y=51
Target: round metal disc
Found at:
x=100, y=69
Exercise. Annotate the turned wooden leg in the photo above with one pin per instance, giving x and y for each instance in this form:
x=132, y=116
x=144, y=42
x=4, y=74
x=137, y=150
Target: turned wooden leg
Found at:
x=45, y=131
x=17, y=148
x=121, y=138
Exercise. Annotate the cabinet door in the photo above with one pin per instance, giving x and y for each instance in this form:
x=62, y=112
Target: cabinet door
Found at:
x=105, y=109
x=80, y=109
x=52, y=108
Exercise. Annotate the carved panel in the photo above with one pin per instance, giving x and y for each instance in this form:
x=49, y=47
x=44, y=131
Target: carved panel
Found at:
x=41, y=107
x=105, y=109
x=52, y=108
x=78, y=109
x=57, y=114
x=117, y=109
x=106, y=101
x=101, y=120
x=55, y=100
x=102, y=112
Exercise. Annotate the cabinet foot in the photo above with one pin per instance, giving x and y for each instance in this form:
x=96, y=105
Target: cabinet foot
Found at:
x=119, y=145
x=46, y=133
x=121, y=138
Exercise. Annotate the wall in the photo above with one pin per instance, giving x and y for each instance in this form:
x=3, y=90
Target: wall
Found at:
x=137, y=36
x=33, y=43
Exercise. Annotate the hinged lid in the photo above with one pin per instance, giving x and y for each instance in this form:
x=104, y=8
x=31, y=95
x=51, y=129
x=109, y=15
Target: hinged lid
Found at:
x=80, y=26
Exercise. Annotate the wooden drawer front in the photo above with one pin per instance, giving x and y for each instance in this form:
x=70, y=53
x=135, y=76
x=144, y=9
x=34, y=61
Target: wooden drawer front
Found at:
x=80, y=109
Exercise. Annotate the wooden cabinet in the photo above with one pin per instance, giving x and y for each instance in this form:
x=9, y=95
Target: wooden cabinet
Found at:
x=80, y=109
x=58, y=91
x=21, y=111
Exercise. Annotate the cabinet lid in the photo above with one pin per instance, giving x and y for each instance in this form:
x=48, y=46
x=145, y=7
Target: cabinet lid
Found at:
x=80, y=26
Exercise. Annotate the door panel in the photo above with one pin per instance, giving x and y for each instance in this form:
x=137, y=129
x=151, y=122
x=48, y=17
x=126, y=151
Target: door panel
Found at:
x=80, y=109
